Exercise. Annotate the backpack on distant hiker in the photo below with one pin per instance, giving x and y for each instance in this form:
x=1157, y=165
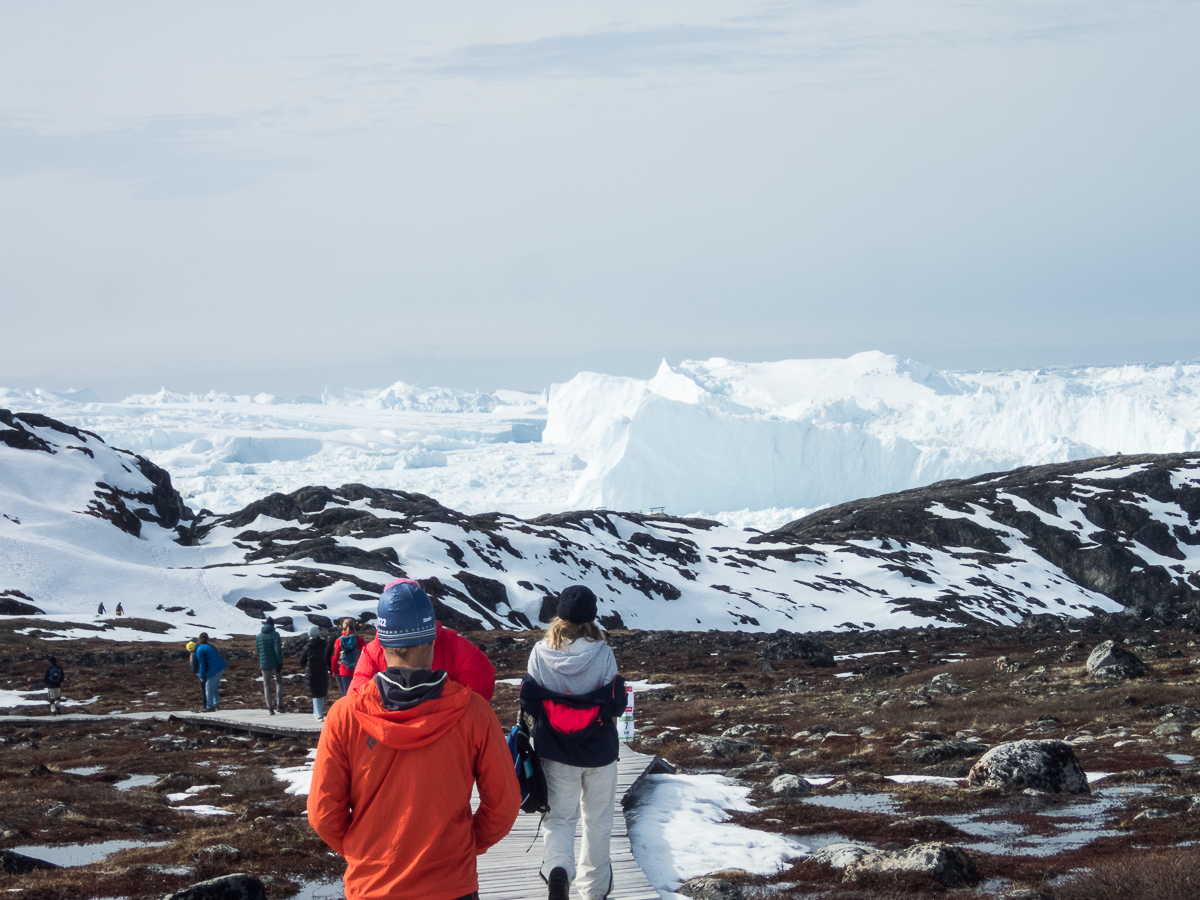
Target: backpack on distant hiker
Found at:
x=54, y=675
x=348, y=650
x=530, y=778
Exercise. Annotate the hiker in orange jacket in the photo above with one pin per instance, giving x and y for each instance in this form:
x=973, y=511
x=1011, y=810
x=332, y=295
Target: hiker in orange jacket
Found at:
x=396, y=762
x=462, y=660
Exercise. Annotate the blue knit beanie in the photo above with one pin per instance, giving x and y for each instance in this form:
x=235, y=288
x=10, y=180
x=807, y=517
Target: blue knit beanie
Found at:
x=405, y=616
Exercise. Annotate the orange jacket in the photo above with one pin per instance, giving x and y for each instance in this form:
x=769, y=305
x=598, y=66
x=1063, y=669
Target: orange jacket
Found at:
x=391, y=793
x=462, y=660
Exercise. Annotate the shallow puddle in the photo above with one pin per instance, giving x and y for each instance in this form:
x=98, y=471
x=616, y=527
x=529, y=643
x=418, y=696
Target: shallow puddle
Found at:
x=132, y=781
x=84, y=770
x=80, y=854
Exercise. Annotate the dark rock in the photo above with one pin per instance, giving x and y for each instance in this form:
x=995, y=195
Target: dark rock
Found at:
x=256, y=609
x=1110, y=662
x=785, y=645
x=239, y=886
x=13, y=863
x=944, y=750
x=10, y=605
x=1048, y=766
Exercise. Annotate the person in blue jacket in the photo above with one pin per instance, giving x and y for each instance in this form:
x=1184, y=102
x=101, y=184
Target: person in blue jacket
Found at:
x=209, y=669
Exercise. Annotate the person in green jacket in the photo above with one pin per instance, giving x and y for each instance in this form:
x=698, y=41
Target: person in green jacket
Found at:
x=270, y=660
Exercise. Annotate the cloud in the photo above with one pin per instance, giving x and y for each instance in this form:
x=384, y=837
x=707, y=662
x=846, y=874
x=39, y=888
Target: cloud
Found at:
x=167, y=156
x=609, y=54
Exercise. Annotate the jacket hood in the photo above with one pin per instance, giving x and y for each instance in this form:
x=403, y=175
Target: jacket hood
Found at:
x=268, y=627
x=574, y=658
x=406, y=729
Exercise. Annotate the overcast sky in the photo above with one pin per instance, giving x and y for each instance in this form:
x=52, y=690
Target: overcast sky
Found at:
x=280, y=196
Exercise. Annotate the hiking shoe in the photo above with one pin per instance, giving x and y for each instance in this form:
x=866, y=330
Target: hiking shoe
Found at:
x=560, y=884
x=272, y=712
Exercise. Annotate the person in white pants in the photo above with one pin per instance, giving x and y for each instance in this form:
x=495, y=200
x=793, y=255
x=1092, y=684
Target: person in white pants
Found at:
x=566, y=786
x=574, y=694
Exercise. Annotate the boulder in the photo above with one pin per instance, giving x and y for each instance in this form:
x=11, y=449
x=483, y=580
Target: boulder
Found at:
x=841, y=854
x=1110, y=662
x=944, y=863
x=941, y=751
x=239, y=886
x=722, y=746
x=1048, y=766
x=254, y=608
x=786, y=645
x=708, y=888
x=788, y=786
x=946, y=683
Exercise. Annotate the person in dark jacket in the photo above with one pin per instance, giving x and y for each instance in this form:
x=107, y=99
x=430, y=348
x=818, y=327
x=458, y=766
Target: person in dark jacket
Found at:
x=270, y=661
x=100, y=610
x=210, y=665
x=190, y=646
x=316, y=673
x=53, y=680
x=573, y=692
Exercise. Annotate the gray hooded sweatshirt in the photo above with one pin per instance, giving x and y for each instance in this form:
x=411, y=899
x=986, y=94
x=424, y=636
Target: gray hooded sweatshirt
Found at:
x=579, y=667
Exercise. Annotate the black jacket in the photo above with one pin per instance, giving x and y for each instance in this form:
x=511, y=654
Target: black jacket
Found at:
x=596, y=745
x=316, y=669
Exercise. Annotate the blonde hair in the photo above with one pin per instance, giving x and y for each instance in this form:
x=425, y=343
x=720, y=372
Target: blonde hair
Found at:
x=561, y=632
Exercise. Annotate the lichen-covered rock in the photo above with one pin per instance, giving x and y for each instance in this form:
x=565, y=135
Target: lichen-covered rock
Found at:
x=1048, y=766
x=707, y=888
x=790, y=786
x=1110, y=662
x=944, y=863
x=841, y=854
x=239, y=886
x=722, y=746
x=787, y=645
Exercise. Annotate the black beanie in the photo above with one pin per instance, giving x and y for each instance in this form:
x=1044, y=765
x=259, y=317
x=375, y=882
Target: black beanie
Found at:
x=577, y=604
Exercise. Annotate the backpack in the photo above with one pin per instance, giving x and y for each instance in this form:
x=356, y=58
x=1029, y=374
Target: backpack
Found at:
x=54, y=675
x=530, y=778
x=348, y=650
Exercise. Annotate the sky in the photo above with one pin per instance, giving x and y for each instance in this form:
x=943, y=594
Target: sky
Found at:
x=286, y=196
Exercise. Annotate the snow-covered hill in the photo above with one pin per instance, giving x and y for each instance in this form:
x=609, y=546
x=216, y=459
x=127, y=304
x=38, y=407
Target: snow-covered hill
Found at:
x=83, y=523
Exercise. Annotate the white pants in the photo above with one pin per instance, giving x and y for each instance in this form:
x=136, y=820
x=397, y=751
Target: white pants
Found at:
x=597, y=788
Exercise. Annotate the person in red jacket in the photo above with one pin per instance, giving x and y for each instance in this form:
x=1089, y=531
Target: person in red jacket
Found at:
x=347, y=651
x=462, y=660
x=396, y=764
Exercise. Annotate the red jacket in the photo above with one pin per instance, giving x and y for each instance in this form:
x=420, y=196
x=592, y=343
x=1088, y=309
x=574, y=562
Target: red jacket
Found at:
x=462, y=660
x=335, y=665
x=391, y=793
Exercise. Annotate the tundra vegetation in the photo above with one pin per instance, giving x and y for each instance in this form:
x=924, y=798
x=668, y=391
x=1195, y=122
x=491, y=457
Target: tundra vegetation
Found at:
x=927, y=702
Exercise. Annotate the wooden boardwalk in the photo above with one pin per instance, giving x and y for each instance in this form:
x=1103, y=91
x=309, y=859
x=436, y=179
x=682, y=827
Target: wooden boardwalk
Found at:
x=509, y=871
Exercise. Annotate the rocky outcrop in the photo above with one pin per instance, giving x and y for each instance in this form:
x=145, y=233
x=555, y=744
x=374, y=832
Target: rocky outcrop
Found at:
x=944, y=863
x=1048, y=766
x=1111, y=662
x=709, y=888
x=239, y=886
x=788, y=645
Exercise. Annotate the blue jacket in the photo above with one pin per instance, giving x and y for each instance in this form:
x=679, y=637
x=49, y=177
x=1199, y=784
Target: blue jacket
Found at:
x=209, y=661
x=270, y=648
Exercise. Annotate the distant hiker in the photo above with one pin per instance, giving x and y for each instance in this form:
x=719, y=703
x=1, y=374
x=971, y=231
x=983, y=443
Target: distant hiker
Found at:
x=209, y=669
x=347, y=647
x=100, y=610
x=270, y=661
x=462, y=660
x=575, y=696
x=316, y=673
x=391, y=784
x=195, y=664
x=120, y=610
x=53, y=680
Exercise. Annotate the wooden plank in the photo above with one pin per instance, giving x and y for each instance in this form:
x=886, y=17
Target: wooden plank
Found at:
x=510, y=870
